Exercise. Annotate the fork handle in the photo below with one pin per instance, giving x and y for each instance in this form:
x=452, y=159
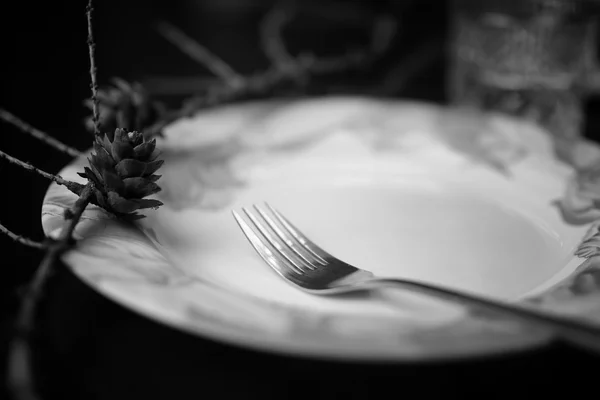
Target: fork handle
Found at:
x=575, y=331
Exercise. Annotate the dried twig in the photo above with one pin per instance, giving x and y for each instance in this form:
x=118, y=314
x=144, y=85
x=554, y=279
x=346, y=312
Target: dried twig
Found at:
x=178, y=85
x=21, y=239
x=20, y=380
x=94, y=83
x=200, y=54
x=349, y=13
x=271, y=34
x=36, y=133
x=382, y=34
x=383, y=31
x=398, y=76
x=20, y=375
x=72, y=186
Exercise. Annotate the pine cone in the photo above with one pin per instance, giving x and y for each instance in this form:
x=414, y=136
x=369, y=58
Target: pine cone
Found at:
x=122, y=169
x=126, y=106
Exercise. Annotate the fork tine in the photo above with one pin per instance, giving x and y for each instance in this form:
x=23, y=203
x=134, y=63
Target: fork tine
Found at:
x=265, y=253
x=315, y=250
x=298, y=265
x=289, y=241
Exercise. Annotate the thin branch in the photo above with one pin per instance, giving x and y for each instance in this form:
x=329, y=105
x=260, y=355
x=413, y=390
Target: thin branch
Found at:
x=31, y=168
x=94, y=84
x=36, y=133
x=178, y=85
x=20, y=374
x=383, y=32
x=20, y=380
x=271, y=34
x=398, y=77
x=21, y=239
x=72, y=186
x=199, y=53
x=348, y=13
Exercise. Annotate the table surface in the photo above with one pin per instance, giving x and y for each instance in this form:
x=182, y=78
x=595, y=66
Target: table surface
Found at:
x=92, y=348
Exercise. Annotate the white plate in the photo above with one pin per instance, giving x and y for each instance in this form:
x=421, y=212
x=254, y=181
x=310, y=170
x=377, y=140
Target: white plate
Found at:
x=403, y=189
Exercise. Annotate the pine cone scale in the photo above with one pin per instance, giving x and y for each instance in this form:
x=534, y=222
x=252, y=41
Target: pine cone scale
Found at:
x=121, y=204
x=149, y=203
x=113, y=182
x=143, y=151
x=131, y=168
x=121, y=151
x=140, y=187
x=153, y=178
x=100, y=200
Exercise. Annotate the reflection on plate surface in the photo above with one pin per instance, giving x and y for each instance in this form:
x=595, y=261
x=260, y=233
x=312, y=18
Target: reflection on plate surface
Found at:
x=402, y=189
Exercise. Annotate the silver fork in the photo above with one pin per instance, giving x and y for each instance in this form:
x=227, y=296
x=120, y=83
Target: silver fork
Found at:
x=310, y=268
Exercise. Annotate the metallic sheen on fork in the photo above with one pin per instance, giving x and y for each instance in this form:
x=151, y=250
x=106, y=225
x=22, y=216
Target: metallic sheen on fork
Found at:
x=310, y=268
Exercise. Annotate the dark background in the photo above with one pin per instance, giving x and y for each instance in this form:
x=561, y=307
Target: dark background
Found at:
x=92, y=348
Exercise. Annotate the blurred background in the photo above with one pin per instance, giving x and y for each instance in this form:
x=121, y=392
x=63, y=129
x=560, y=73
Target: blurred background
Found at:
x=44, y=75
x=44, y=80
